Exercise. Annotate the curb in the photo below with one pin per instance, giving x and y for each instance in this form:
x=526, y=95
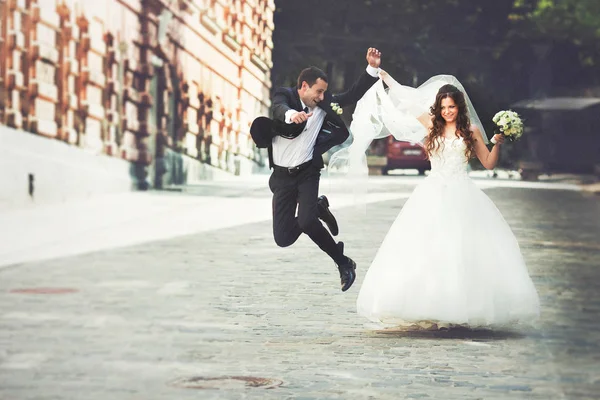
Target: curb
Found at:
x=591, y=188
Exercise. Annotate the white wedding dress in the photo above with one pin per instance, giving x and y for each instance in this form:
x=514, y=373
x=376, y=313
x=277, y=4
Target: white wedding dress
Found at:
x=449, y=258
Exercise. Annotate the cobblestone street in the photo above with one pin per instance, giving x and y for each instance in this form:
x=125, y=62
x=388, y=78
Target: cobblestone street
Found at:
x=147, y=320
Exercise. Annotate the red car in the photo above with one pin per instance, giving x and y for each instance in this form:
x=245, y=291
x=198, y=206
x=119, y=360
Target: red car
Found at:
x=405, y=155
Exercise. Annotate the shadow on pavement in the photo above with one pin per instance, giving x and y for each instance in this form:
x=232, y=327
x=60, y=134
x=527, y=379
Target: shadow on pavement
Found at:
x=453, y=333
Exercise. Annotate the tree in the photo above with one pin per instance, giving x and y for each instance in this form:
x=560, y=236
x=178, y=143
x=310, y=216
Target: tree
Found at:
x=566, y=36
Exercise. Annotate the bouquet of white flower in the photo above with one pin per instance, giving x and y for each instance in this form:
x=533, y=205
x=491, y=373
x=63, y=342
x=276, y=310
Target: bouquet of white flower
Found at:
x=509, y=124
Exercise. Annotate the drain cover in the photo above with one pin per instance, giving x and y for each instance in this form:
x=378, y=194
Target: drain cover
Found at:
x=226, y=382
x=44, y=290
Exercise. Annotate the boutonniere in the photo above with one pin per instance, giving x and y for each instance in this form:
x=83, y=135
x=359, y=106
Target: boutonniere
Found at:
x=336, y=108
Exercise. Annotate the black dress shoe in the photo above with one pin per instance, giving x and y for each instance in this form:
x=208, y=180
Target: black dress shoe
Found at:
x=347, y=270
x=326, y=216
x=347, y=274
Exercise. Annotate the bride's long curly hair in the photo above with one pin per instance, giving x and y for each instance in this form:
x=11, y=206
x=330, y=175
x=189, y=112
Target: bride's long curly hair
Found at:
x=463, y=123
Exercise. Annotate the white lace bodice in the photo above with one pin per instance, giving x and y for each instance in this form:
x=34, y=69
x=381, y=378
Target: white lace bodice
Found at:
x=450, y=161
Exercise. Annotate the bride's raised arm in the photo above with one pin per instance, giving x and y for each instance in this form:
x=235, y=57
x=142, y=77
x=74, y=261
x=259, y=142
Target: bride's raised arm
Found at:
x=425, y=120
x=488, y=158
x=387, y=79
x=394, y=92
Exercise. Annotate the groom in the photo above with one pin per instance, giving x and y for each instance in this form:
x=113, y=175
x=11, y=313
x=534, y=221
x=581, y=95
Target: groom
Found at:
x=306, y=123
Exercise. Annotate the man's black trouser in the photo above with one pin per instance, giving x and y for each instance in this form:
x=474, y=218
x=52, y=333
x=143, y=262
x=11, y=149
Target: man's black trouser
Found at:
x=299, y=188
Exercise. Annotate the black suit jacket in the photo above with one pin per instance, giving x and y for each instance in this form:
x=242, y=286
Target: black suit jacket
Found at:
x=333, y=132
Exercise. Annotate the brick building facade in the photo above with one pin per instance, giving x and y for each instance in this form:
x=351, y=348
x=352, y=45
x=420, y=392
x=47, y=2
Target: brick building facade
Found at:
x=139, y=79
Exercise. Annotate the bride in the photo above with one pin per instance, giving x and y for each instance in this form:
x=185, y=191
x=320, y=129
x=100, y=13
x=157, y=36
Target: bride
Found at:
x=449, y=258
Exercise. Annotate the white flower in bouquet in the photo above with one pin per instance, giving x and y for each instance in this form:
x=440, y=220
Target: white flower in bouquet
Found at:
x=509, y=124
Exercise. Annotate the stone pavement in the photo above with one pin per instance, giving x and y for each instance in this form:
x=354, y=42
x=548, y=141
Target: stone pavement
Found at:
x=149, y=320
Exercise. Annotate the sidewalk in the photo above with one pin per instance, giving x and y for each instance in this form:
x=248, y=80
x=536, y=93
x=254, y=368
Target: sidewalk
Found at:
x=592, y=188
x=126, y=219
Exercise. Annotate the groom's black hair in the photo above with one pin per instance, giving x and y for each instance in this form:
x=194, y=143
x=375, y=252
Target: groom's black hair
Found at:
x=310, y=76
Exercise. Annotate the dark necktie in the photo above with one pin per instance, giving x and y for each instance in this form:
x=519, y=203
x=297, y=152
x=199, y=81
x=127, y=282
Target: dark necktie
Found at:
x=306, y=110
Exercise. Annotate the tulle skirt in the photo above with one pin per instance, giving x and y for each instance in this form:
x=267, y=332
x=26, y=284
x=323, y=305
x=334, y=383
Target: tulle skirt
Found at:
x=449, y=258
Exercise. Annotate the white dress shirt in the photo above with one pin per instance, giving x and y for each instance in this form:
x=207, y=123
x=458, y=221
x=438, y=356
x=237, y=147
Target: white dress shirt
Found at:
x=293, y=152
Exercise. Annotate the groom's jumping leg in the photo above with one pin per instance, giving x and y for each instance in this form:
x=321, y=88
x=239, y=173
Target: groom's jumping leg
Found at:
x=308, y=212
x=308, y=215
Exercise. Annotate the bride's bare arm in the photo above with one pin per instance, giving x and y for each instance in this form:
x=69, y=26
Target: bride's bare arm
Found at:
x=386, y=78
x=425, y=120
x=489, y=159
